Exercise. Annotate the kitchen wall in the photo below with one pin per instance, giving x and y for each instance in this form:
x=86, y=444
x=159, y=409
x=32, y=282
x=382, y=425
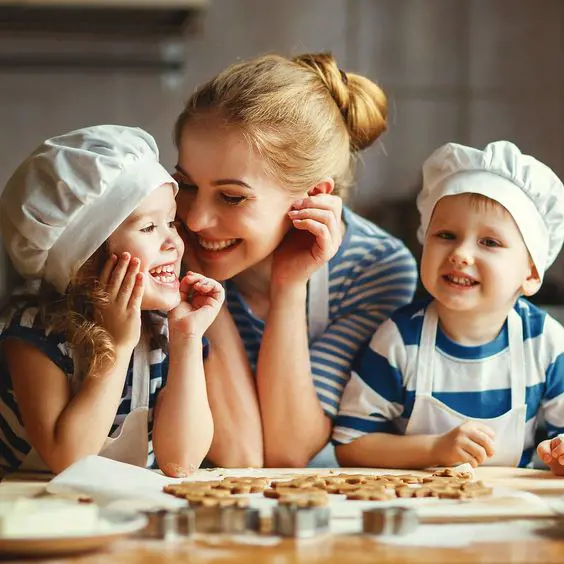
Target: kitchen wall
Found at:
x=455, y=70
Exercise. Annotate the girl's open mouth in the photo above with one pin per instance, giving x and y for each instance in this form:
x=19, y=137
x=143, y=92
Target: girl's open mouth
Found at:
x=165, y=275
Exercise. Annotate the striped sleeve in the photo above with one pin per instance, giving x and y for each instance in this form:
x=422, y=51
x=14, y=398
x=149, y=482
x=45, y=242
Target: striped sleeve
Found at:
x=553, y=400
x=374, y=397
x=25, y=325
x=378, y=284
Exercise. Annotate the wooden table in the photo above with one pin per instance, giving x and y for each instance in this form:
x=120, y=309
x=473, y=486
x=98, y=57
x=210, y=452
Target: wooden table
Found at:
x=547, y=547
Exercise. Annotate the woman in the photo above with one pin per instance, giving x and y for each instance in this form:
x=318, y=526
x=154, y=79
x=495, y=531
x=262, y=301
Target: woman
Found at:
x=266, y=151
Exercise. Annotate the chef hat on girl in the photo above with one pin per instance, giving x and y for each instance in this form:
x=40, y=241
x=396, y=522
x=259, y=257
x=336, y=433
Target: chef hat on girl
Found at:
x=72, y=193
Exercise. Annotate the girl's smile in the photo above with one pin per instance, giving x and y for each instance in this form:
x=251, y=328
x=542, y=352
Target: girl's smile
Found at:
x=165, y=275
x=150, y=234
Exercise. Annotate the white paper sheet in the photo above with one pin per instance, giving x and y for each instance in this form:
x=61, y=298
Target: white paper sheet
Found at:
x=113, y=483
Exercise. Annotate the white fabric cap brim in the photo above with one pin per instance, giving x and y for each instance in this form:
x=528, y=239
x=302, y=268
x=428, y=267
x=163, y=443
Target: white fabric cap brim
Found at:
x=530, y=223
x=98, y=220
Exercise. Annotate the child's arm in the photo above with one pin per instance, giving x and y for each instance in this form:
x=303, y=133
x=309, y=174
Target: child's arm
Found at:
x=60, y=427
x=551, y=451
x=63, y=428
x=471, y=442
x=183, y=428
x=374, y=399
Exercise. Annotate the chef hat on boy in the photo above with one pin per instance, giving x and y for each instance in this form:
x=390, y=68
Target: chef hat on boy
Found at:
x=72, y=193
x=529, y=190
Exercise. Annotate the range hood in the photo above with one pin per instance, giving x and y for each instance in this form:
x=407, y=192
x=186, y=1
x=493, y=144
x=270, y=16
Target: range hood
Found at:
x=99, y=17
x=98, y=35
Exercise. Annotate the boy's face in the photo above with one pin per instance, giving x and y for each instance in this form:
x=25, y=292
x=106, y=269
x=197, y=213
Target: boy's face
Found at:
x=149, y=234
x=474, y=257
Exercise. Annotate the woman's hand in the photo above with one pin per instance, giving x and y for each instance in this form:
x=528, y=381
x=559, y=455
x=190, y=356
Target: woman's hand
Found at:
x=121, y=315
x=201, y=300
x=313, y=241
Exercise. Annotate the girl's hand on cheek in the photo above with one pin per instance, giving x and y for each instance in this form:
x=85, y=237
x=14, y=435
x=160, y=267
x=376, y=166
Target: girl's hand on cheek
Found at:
x=121, y=315
x=201, y=300
x=315, y=238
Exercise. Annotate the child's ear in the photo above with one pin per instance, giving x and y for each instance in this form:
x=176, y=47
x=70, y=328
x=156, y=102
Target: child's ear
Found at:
x=325, y=186
x=533, y=282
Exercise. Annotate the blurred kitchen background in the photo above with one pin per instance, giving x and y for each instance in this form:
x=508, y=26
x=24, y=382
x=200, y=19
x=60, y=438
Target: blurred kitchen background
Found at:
x=470, y=71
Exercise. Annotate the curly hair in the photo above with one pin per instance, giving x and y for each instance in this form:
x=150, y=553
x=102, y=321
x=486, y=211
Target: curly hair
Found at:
x=73, y=315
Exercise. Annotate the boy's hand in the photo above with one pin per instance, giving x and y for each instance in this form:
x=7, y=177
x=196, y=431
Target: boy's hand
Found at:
x=121, y=315
x=551, y=452
x=471, y=442
x=201, y=300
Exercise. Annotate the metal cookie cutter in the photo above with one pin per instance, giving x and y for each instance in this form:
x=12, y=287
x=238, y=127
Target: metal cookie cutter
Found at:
x=167, y=524
x=389, y=521
x=239, y=520
x=229, y=520
x=301, y=522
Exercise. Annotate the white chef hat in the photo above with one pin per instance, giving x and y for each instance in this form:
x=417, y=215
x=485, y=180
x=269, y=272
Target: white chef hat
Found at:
x=72, y=193
x=528, y=189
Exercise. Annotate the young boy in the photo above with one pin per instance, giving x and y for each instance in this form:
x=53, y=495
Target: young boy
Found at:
x=462, y=377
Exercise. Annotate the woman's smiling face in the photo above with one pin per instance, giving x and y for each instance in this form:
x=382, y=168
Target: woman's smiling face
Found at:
x=234, y=213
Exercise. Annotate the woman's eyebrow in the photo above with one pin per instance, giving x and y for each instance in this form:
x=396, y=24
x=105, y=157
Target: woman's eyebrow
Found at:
x=234, y=181
x=219, y=182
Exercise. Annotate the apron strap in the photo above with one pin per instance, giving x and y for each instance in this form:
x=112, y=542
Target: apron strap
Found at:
x=426, y=352
x=141, y=374
x=318, y=302
x=516, y=359
x=426, y=355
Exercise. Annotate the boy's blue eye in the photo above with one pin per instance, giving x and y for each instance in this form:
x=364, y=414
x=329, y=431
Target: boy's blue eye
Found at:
x=490, y=243
x=149, y=228
x=445, y=235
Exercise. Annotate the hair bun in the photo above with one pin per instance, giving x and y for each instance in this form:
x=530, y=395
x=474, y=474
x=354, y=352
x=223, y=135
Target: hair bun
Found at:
x=362, y=103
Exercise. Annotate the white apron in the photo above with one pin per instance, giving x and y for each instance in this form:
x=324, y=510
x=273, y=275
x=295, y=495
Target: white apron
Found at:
x=318, y=302
x=318, y=321
x=130, y=443
x=432, y=417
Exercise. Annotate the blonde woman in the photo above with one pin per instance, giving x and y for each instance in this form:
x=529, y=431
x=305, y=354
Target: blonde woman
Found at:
x=265, y=156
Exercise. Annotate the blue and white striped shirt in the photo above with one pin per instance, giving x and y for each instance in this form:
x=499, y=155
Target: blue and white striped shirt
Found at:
x=473, y=380
x=371, y=276
x=26, y=326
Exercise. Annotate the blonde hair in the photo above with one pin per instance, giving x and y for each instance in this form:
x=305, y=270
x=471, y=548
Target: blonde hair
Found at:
x=304, y=116
x=481, y=202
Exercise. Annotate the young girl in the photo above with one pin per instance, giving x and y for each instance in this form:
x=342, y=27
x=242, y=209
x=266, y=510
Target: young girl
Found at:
x=87, y=364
